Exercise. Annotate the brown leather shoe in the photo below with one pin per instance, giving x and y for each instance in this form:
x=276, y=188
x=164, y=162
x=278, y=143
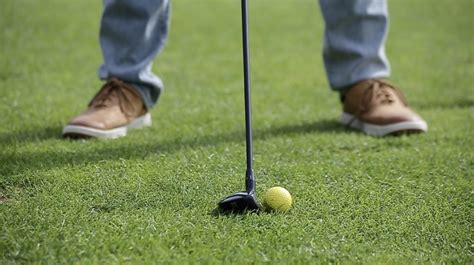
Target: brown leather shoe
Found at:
x=378, y=108
x=116, y=108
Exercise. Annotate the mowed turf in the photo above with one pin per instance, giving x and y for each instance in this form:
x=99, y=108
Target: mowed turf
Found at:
x=150, y=197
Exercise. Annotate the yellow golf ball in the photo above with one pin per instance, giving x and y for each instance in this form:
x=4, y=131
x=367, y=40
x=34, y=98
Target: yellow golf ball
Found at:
x=277, y=198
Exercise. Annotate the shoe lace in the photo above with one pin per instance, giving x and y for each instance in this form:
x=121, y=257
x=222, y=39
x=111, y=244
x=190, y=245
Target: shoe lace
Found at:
x=377, y=93
x=103, y=98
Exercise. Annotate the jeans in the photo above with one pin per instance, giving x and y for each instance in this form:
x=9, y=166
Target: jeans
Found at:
x=133, y=32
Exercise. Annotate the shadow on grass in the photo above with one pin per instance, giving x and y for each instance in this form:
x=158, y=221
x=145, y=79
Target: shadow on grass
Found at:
x=322, y=126
x=216, y=213
x=31, y=135
x=60, y=158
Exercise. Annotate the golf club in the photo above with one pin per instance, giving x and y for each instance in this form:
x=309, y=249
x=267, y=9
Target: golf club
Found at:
x=244, y=200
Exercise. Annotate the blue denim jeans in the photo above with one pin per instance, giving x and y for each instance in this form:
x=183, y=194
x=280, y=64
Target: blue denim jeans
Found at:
x=132, y=33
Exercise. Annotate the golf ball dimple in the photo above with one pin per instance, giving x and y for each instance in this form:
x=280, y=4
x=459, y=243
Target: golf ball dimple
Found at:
x=277, y=198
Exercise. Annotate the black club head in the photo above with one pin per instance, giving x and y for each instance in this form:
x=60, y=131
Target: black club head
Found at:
x=239, y=202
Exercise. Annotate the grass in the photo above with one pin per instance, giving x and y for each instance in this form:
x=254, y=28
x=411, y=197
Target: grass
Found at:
x=149, y=197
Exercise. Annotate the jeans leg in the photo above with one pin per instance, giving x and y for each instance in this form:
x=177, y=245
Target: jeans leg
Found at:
x=354, y=38
x=132, y=32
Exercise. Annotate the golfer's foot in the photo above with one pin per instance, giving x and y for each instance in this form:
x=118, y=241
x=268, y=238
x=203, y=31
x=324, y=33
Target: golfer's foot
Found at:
x=378, y=108
x=116, y=108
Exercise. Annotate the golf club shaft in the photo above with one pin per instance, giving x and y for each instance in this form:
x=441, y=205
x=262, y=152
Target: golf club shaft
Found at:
x=249, y=181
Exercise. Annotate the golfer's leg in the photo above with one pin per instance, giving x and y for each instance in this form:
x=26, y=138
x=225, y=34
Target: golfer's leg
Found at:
x=131, y=35
x=354, y=39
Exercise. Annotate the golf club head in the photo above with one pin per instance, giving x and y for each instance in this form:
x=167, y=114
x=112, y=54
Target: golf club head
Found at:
x=239, y=202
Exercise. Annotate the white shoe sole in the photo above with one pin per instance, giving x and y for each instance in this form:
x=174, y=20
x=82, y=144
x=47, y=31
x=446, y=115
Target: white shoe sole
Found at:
x=381, y=130
x=84, y=131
